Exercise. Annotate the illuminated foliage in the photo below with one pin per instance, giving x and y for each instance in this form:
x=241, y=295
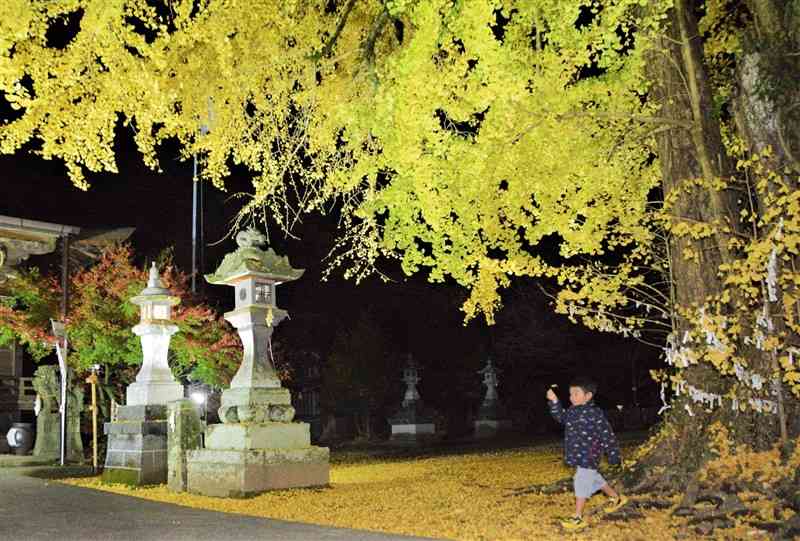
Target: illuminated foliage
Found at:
x=475, y=140
x=101, y=317
x=444, y=144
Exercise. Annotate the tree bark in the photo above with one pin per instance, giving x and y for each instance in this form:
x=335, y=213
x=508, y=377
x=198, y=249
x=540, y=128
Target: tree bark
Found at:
x=767, y=116
x=683, y=88
x=767, y=105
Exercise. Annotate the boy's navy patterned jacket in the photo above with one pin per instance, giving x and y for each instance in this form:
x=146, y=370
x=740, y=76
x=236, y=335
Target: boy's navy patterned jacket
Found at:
x=587, y=434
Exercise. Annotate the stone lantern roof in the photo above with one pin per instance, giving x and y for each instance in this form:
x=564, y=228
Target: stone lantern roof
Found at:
x=250, y=260
x=155, y=292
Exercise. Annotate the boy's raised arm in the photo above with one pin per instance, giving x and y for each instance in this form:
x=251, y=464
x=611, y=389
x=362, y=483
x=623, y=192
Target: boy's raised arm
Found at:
x=556, y=409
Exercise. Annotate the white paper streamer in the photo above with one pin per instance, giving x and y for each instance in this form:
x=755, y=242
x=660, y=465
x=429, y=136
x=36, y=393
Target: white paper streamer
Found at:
x=665, y=406
x=772, y=267
x=772, y=276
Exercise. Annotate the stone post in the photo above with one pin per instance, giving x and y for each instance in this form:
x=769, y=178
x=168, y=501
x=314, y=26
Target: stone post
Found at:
x=137, y=440
x=184, y=433
x=258, y=447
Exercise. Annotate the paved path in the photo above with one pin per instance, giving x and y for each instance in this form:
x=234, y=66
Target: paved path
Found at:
x=33, y=509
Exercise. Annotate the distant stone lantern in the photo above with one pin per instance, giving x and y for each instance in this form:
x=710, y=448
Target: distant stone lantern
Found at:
x=413, y=423
x=490, y=380
x=491, y=415
x=154, y=383
x=410, y=378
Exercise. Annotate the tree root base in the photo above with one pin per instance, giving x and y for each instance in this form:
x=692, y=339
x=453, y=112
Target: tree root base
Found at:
x=704, y=511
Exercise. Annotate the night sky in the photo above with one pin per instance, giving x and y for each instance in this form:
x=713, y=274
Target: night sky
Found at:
x=532, y=345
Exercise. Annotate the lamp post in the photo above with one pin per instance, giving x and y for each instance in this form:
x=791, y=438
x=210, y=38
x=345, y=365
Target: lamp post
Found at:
x=61, y=352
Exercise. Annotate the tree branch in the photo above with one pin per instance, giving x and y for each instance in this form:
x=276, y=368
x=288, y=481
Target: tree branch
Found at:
x=667, y=122
x=369, y=45
x=328, y=49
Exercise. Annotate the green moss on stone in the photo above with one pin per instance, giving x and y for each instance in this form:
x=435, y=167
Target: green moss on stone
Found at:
x=112, y=476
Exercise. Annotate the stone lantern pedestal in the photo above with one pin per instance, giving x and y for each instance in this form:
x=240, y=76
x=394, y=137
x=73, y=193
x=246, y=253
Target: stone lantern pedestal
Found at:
x=257, y=447
x=137, y=439
x=491, y=417
x=414, y=422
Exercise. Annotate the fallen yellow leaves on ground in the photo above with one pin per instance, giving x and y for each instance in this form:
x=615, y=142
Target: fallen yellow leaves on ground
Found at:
x=462, y=495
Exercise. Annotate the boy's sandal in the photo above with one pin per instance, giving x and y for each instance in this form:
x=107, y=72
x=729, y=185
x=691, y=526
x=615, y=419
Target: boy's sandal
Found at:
x=574, y=524
x=615, y=505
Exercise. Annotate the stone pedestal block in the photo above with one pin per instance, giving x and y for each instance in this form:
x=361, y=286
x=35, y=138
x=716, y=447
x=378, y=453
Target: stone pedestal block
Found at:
x=137, y=446
x=412, y=424
x=142, y=393
x=489, y=428
x=239, y=473
x=258, y=436
x=184, y=433
x=413, y=433
x=256, y=405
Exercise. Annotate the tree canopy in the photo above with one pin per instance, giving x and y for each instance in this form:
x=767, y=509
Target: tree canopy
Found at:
x=457, y=136
x=642, y=155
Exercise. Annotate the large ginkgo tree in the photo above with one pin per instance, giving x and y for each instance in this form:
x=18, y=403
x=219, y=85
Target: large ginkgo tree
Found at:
x=640, y=157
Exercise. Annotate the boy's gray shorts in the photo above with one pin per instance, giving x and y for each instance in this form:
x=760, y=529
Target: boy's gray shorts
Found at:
x=587, y=482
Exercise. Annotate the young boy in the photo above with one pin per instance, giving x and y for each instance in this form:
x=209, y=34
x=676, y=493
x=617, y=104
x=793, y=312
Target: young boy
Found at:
x=587, y=434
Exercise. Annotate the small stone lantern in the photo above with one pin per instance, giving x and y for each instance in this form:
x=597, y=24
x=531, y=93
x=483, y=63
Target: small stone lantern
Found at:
x=136, y=453
x=413, y=422
x=410, y=378
x=491, y=416
x=154, y=383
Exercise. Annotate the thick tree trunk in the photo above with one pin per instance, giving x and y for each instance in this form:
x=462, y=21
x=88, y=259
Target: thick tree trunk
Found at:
x=690, y=159
x=767, y=116
x=684, y=91
x=768, y=98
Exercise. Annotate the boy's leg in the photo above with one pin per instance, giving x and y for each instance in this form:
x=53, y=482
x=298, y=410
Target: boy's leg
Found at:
x=616, y=500
x=583, y=490
x=580, y=503
x=610, y=492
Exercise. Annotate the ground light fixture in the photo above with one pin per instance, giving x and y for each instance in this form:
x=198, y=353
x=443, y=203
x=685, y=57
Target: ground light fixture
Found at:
x=199, y=398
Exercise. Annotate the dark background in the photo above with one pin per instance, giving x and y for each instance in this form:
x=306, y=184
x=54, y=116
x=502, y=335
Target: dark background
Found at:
x=532, y=346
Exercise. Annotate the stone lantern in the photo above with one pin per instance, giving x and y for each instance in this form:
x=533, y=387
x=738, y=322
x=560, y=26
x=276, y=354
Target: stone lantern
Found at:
x=489, y=373
x=137, y=441
x=491, y=416
x=154, y=383
x=410, y=378
x=413, y=423
x=257, y=447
